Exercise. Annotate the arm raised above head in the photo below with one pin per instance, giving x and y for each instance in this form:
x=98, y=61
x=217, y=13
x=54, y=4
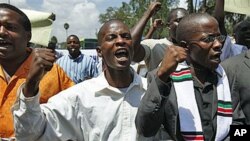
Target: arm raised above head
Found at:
x=137, y=31
x=219, y=15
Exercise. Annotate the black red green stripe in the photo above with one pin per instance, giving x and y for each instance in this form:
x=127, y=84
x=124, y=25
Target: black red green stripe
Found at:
x=193, y=136
x=182, y=75
x=225, y=108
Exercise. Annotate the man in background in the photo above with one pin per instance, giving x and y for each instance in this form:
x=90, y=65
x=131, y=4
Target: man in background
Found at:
x=78, y=66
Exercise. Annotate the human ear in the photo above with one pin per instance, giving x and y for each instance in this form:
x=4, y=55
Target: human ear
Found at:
x=29, y=35
x=99, y=51
x=183, y=44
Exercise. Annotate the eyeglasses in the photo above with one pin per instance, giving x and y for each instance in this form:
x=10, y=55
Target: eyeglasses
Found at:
x=211, y=38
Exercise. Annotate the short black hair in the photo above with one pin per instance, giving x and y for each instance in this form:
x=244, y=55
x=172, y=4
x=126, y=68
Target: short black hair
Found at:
x=24, y=19
x=100, y=33
x=75, y=36
x=237, y=28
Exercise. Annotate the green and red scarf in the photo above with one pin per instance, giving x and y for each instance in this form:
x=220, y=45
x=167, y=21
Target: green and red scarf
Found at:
x=190, y=121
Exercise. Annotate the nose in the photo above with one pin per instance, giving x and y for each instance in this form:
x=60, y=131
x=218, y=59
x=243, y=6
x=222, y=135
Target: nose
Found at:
x=2, y=30
x=120, y=40
x=217, y=45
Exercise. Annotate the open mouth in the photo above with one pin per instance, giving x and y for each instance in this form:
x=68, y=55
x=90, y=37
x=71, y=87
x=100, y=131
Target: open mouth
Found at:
x=3, y=44
x=122, y=54
x=72, y=49
x=216, y=57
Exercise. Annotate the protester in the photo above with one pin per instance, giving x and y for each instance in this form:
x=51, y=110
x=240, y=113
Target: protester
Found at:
x=78, y=66
x=15, y=63
x=157, y=24
x=101, y=108
x=152, y=50
x=237, y=69
x=189, y=93
x=242, y=33
x=229, y=49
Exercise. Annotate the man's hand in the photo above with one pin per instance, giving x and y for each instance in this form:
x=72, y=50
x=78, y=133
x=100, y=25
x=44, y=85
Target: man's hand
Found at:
x=42, y=62
x=173, y=56
x=154, y=7
x=158, y=23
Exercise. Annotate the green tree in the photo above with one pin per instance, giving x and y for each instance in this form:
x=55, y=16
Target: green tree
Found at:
x=208, y=6
x=66, y=27
x=190, y=6
x=131, y=12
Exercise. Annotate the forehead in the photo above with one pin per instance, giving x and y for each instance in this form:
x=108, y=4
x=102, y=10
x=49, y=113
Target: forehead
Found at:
x=72, y=38
x=8, y=14
x=115, y=28
x=208, y=25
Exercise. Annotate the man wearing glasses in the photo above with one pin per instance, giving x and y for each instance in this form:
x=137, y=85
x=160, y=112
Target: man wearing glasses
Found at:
x=189, y=93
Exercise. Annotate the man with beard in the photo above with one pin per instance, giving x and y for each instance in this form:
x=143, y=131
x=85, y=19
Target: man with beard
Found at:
x=101, y=108
x=78, y=66
x=15, y=62
x=189, y=93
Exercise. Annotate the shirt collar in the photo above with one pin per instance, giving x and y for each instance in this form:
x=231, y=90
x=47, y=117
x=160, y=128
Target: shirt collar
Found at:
x=79, y=58
x=137, y=81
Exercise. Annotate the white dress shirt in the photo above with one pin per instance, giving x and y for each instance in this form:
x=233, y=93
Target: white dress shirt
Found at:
x=89, y=111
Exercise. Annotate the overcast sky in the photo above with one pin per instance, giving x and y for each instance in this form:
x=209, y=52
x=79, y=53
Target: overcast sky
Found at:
x=81, y=15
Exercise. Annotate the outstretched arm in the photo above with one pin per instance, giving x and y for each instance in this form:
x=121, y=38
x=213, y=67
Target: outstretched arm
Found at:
x=156, y=24
x=220, y=15
x=137, y=31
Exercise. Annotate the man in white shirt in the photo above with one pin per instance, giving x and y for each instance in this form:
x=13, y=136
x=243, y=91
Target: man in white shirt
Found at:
x=102, y=108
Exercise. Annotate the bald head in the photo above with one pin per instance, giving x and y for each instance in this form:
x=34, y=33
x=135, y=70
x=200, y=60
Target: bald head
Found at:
x=193, y=23
x=177, y=13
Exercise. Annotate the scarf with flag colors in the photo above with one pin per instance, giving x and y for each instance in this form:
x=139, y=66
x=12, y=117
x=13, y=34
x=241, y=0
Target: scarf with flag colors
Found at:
x=190, y=121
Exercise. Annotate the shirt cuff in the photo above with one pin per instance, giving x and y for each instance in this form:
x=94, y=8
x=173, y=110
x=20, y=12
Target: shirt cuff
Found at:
x=29, y=103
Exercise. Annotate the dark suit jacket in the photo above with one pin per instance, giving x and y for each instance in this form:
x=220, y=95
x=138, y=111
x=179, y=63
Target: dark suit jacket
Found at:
x=159, y=106
x=238, y=72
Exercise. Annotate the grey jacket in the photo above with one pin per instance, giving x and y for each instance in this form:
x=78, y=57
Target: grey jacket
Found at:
x=238, y=72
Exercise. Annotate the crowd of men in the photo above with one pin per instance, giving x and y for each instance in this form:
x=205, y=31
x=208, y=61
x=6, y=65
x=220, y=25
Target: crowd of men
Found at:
x=197, y=82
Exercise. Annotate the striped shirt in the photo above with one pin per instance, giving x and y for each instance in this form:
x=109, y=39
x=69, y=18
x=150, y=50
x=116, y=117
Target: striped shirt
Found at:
x=79, y=69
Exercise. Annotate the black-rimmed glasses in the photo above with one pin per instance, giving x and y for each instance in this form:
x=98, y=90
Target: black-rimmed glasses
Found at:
x=211, y=38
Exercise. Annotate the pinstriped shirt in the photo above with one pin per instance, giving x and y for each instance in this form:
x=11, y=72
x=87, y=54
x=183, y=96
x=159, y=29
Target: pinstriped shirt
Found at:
x=79, y=69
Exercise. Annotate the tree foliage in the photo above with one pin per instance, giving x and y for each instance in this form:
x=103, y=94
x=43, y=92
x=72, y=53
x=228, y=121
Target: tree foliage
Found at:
x=131, y=12
x=208, y=6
